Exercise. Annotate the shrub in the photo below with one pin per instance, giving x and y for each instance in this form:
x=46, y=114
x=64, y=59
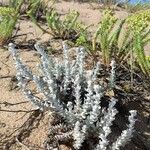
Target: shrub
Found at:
x=75, y=94
x=139, y=27
x=123, y=40
x=67, y=28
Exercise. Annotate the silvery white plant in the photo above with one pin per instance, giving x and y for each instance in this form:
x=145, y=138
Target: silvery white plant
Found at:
x=75, y=94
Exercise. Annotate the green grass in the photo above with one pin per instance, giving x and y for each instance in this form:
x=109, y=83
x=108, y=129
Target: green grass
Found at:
x=8, y=18
x=123, y=40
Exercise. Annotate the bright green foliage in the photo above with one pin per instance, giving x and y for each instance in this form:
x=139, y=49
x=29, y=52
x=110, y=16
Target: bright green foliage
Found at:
x=5, y=11
x=82, y=35
x=138, y=22
x=123, y=40
x=8, y=18
x=138, y=49
x=67, y=28
x=54, y=23
x=104, y=37
x=82, y=40
x=139, y=25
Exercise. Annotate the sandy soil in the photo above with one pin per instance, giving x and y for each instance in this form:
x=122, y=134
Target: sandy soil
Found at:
x=10, y=95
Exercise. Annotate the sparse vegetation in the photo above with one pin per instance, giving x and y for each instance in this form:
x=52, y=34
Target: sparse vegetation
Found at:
x=120, y=39
x=72, y=93
x=68, y=28
x=139, y=25
x=88, y=83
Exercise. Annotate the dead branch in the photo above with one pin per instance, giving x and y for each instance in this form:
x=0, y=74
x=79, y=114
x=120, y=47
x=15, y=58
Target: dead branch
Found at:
x=17, y=111
x=12, y=104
